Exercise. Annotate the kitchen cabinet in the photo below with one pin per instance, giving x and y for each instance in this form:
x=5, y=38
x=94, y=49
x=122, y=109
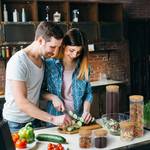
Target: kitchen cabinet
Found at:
x=139, y=37
x=101, y=21
x=2, y=101
x=102, y=16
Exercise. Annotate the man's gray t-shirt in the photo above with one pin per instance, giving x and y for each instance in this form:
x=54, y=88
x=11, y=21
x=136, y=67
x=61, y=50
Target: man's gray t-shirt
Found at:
x=21, y=68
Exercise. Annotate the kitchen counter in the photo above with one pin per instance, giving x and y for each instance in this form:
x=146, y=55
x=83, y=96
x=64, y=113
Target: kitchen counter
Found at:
x=114, y=142
x=2, y=96
x=94, y=84
x=105, y=82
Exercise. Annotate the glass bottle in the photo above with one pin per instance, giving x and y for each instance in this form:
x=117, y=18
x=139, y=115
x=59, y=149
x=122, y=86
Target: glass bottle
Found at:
x=56, y=16
x=126, y=130
x=5, y=13
x=112, y=99
x=136, y=114
x=85, y=140
x=100, y=139
x=47, y=13
x=23, y=15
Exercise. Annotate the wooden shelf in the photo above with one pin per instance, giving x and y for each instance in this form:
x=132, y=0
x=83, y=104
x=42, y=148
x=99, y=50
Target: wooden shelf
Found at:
x=100, y=20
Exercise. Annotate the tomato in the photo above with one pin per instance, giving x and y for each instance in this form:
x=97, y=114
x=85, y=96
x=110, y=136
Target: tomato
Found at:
x=51, y=146
x=15, y=137
x=55, y=147
x=21, y=143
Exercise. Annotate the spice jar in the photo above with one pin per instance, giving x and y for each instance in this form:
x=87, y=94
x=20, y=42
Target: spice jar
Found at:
x=100, y=139
x=126, y=130
x=85, y=140
x=136, y=114
x=112, y=99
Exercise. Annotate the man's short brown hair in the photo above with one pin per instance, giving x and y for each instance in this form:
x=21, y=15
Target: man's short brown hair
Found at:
x=48, y=29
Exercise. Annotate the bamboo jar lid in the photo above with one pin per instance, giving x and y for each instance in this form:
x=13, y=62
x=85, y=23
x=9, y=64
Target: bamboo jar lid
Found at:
x=126, y=124
x=136, y=98
x=84, y=132
x=112, y=88
x=101, y=132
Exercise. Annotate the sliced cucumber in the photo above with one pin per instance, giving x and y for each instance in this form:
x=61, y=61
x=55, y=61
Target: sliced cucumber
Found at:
x=81, y=119
x=75, y=116
x=70, y=128
x=79, y=123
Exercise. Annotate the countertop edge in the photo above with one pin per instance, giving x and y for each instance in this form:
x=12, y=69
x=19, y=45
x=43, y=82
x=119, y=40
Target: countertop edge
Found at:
x=105, y=82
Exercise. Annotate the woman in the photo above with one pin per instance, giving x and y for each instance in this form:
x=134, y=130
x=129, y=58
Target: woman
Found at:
x=67, y=77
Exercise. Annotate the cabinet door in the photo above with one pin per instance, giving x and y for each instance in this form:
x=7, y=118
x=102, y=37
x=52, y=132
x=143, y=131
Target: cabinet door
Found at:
x=89, y=28
x=96, y=107
x=14, y=32
x=110, y=21
x=139, y=37
x=111, y=31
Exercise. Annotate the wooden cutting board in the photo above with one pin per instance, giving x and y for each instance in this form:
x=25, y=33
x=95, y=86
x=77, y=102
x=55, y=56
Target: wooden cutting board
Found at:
x=87, y=127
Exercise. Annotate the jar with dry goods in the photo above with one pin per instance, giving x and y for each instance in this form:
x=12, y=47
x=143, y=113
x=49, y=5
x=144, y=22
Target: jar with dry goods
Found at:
x=136, y=114
x=100, y=139
x=85, y=139
x=112, y=99
x=126, y=130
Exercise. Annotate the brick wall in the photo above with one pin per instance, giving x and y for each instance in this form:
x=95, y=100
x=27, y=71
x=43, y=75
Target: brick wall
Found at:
x=115, y=64
x=138, y=9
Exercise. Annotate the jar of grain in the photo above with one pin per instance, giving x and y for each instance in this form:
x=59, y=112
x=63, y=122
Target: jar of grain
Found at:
x=126, y=130
x=100, y=139
x=85, y=139
x=136, y=114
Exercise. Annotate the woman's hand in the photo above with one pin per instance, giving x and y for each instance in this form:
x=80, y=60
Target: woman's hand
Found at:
x=58, y=104
x=63, y=120
x=87, y=117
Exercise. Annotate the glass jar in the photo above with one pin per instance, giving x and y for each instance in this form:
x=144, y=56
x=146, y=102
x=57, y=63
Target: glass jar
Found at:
x=126, y=130
x=112, y=99
x=136, y=114
x=85, y=140
x=100, y=139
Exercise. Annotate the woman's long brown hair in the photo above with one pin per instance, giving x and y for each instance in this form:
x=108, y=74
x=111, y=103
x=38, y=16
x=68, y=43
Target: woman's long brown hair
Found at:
x=74, y=37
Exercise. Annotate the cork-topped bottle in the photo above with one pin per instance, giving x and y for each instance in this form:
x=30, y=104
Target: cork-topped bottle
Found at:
x=85, y=140
x=112, y=99
x=136, y=114
x=100, y=139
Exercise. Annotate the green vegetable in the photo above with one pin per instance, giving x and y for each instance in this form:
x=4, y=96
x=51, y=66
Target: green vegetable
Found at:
x=27, y=133
x=147, y=114
x=77, y=118
x=51, y=138
x=70, y=128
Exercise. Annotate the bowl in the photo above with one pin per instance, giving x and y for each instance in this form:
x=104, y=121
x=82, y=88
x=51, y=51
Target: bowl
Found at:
x=111, y=122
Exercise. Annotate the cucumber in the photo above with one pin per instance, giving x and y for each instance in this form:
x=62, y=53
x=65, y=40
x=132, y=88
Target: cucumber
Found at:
x=51, y=138
x=71, y=128
x=79, y=123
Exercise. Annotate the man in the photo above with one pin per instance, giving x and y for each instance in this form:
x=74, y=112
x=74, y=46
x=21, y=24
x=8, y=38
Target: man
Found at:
x=24, y=76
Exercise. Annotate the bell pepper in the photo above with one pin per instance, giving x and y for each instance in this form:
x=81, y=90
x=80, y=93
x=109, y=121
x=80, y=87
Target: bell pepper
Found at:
x=27, y=133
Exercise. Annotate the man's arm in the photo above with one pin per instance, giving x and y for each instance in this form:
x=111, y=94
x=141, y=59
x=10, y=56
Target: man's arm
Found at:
x=57, y=103
x=20, y=94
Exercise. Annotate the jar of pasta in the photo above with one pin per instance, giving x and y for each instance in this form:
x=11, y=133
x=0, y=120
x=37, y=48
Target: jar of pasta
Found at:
x=136, y=114
x=85, y=140
x=126, y=130
x=100, y=139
